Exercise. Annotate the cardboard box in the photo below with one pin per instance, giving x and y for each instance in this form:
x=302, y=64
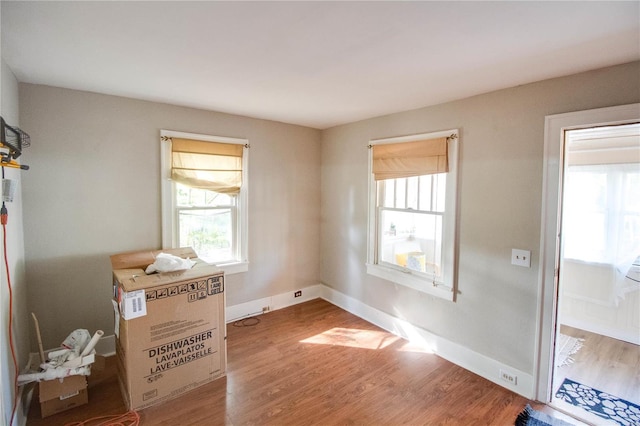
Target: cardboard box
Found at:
x=170, y=327
x=60, y=395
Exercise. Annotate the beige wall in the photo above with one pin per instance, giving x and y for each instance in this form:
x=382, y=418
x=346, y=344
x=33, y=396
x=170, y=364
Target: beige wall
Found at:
x=500, y=192
x=15, y=256
x=94, y=190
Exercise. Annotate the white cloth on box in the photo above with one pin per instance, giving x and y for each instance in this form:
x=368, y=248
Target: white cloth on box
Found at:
x=71, y=348
x=167, y=262
x=56, y=373
x=77, y=340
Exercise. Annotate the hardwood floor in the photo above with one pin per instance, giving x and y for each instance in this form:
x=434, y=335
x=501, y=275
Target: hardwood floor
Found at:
x=606, y=364
x=315, y=364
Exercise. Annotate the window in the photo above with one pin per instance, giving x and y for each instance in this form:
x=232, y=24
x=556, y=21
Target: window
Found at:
x=602, y=195
x=412, y=211
x=204, y=197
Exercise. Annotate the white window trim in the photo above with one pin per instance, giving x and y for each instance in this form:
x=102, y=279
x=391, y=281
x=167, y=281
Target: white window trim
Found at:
x=169, y=236
x=447, y=288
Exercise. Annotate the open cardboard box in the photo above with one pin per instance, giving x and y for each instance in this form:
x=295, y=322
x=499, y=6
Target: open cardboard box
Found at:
x=170, y=327
x=59, y=395
x=62, y=394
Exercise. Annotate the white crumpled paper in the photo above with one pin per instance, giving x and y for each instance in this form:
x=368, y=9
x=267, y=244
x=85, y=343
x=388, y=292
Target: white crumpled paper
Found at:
x=167, y=262
x=74, y=358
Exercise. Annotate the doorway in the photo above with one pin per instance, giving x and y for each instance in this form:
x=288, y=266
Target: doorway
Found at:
x=570, y=140
x=598, y=317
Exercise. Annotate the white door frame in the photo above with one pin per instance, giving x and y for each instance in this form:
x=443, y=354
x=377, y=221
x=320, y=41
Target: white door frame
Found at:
x=555, y=126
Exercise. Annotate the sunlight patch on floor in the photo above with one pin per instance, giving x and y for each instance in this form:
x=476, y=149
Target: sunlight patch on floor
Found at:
x=353, y=338
x=417, y=347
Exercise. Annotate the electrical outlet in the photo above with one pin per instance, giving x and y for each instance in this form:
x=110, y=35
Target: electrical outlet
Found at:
x=297, y=293
x=508, y=377
x=521, y=258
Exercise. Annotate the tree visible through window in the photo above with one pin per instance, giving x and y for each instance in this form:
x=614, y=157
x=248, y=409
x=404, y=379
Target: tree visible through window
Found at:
x=204, y=197
x=206, y=221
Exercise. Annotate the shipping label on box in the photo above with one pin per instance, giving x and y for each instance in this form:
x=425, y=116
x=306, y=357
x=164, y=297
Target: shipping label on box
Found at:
x=133, y=304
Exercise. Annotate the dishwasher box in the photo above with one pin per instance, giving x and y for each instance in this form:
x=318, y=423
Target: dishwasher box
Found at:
x=169, y=326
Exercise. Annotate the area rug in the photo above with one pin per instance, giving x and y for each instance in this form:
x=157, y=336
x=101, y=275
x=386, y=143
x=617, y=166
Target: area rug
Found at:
x=599, y=403
x=531, y=417
x=565, y=347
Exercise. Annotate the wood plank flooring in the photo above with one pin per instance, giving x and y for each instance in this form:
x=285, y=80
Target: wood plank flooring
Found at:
x=604, y=363
x=315, y=364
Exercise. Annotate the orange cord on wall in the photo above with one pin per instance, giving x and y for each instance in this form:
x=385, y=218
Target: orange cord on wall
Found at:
x=130, y=418
x=3, y=220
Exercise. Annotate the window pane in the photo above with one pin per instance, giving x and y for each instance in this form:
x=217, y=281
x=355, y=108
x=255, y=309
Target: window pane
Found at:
x=586, y=190
x=632, y=191
x=630, y=232
x=401, y=193
x=412, y=193
x=587, y=246
x=389, y=192
x=209, y=232
x=195, y=197
x=425, y=193
x=585, y=209
x=601, y=217
x=440, y=185
x=411, y=240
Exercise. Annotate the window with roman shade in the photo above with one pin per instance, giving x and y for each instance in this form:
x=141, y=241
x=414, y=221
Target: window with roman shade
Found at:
x=205, y=197
x=213, y=166
x=412, y=211
x=407, y=159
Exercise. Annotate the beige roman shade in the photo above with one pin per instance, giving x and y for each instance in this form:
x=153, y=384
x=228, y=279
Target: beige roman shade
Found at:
x=407, y=159
x=214, y=166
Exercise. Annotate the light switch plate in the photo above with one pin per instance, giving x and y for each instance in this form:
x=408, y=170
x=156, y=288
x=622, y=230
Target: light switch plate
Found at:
x=521, y=258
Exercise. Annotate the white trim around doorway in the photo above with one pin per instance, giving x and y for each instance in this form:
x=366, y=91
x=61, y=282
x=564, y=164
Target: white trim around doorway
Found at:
x=555, y=126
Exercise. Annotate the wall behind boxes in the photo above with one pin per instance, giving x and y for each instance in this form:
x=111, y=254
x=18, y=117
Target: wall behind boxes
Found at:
x=94, y=190
x=15, y=254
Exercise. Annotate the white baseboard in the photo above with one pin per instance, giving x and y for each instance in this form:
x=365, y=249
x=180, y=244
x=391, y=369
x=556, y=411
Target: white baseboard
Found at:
x=479, y=364
x=248, y=309
x=475, y=362
x=272, y=303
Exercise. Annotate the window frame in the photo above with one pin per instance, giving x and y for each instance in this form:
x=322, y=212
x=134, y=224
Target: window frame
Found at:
x=170, y=209
x=446, y=287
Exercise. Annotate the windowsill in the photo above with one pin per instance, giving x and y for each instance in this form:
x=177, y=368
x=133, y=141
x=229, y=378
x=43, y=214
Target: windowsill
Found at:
x=234, y=268
x=408, y=279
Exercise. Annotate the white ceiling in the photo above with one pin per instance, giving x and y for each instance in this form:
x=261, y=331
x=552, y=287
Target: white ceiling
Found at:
x=316, y=64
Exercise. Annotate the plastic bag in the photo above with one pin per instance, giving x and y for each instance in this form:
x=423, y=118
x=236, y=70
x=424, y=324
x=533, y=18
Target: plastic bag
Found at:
x=167, y=262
